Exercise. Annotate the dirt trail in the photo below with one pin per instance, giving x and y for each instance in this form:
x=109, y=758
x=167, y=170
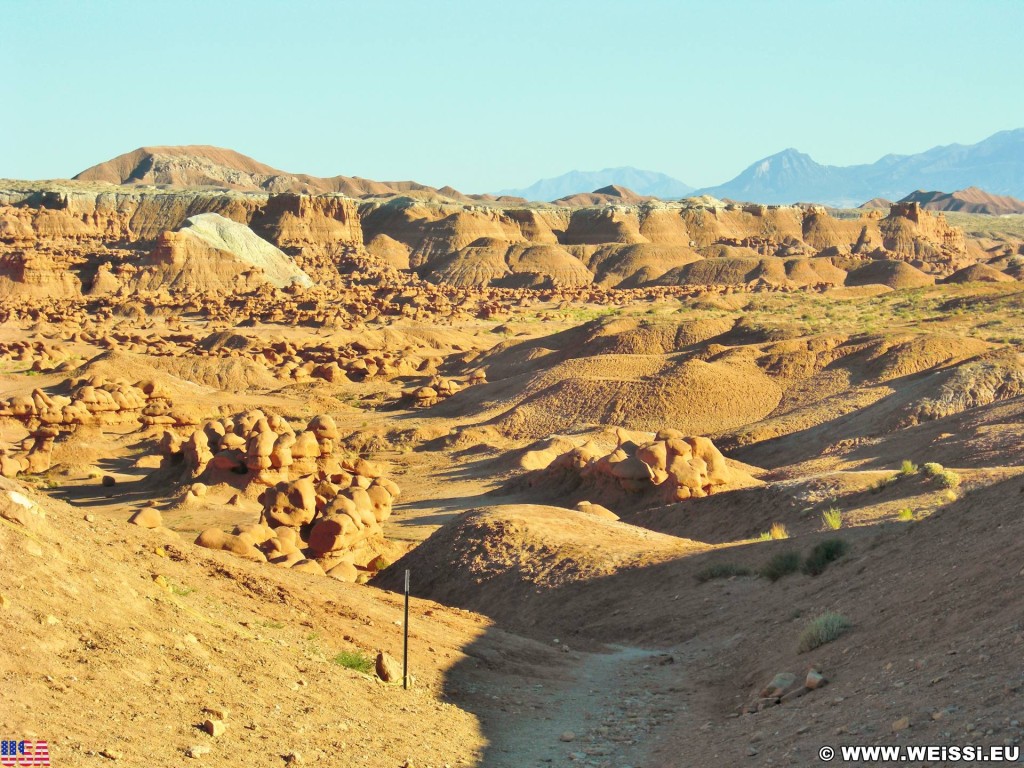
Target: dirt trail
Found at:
x=436, y=488
x=613, y=703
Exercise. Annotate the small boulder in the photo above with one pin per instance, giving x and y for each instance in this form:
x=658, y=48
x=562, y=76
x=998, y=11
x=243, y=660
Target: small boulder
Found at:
x=147, y=517
x=214, y=727
x=388, y=669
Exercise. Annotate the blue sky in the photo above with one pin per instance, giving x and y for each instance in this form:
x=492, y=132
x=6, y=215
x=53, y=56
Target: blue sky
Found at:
x=485, y=95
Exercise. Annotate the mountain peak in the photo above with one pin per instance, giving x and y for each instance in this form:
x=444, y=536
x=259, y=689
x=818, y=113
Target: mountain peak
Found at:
x=790, y=176
x=643, y=183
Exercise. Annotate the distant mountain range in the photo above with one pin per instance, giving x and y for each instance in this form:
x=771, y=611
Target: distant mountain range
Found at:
x=647, y=183
x=995, y=164
x=994, y=168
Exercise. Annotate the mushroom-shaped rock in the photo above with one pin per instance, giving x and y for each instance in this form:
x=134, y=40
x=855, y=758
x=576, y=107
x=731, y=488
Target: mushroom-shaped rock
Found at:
x=632, y=473
x=654, y=455
x=305, y=446
x=364, y=468
x=323, y=427
x=331, y=533
x=380, y=501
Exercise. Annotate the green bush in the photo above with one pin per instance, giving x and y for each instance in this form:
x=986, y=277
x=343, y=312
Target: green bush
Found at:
x=931, y=469
x=824, y=552
x=908, y=467
x=949, y=479
x=356, y=660
x=781, y=565
x=721, y=571
x=823, y=629
x=905, y=515
x=832, y=518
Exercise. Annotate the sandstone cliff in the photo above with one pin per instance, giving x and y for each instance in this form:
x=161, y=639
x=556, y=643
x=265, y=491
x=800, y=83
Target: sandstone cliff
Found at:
x=89, y=236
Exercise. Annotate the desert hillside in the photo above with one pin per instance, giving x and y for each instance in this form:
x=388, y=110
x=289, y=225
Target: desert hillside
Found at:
x=690, y=483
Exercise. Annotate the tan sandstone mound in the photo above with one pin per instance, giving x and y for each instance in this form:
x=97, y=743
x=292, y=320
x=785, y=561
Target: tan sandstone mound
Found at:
x=894, y=274
x=210, y=251
x=497, y=559
x=979, y=273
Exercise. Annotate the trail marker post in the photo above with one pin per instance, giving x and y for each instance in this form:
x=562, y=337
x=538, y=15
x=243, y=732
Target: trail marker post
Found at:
x=405, y=640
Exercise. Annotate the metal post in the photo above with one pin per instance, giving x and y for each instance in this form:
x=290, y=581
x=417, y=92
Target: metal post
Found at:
x=405, y=643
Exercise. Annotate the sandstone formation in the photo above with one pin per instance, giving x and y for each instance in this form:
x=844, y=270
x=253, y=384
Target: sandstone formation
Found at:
x=86, y=238
x=212, y=253
x=322, y=509
x=94, y=401
x=672, y=467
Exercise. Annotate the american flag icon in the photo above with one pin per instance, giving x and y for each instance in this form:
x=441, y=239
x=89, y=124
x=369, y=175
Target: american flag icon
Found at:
x=24, y=753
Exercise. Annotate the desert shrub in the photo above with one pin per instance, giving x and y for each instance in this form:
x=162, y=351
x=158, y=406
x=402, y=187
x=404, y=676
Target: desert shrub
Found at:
x=356, y=660
x=181, y=590
x=907, y=468
x=721, y=571
x=832, y=518
x=905, y=515
x=781, y=565
x=778, y=531
x=931, y=469
x=948, y=479
x=823, y=629
x=823, y=553
x=884, y=483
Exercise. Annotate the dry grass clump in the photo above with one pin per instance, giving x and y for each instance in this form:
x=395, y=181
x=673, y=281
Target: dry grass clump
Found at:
x=821, y=630
x=775, y=533
x=822, y=554
x=721, y=571
x=832, y=518
x=781, y=565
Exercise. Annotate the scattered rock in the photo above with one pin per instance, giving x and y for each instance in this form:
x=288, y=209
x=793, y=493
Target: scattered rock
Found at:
x=388, y=669
x=780, y=685
x=815, y=680
x=214, y=727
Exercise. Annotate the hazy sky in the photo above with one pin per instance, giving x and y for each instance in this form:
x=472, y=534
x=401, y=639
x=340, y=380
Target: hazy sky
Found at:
x=485, y=95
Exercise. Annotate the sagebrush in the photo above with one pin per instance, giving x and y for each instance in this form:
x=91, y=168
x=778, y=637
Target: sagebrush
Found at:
x=821, y=630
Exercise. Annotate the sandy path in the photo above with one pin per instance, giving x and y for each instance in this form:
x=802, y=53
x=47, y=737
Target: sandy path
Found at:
x=613, y=703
